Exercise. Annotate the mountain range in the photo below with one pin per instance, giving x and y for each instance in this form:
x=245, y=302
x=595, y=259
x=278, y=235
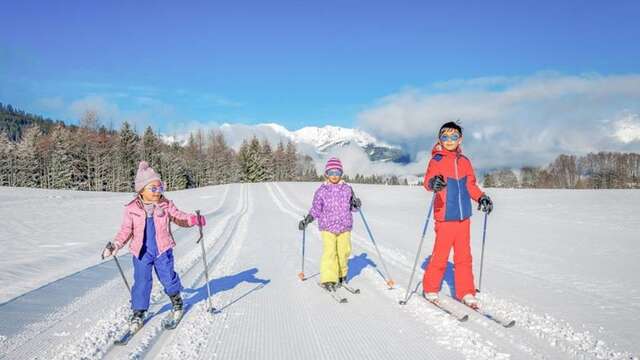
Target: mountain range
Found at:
x=316, y=142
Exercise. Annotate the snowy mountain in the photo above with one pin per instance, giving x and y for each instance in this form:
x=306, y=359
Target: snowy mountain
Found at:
x=313, y=141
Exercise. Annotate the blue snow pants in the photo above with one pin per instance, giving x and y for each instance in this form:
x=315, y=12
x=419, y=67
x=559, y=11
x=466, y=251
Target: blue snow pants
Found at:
x=143, y=266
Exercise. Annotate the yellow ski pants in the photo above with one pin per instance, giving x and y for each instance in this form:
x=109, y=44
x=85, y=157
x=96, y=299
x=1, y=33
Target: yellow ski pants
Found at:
x=336, y=249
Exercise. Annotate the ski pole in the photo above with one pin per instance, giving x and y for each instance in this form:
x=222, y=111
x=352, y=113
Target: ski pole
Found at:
x=204, y=260
x=301, y=274
x=415, y=263
x=115, y=258
x=484, y=235
x=389, y=281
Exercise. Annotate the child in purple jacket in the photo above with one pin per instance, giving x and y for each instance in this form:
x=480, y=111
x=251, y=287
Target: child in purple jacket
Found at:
x=332, y=205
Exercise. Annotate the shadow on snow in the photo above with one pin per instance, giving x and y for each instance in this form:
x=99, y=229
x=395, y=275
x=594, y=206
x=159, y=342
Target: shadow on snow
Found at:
x=194, y=296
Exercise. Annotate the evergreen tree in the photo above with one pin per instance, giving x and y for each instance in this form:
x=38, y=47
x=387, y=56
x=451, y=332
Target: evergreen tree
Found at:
x=267, y=161
x=150, y=149
x=220, y=159
x=28, y=171
x=291, y=159
x=60, y=173
x=127, y=159
x=7, y=161
x=256, y=171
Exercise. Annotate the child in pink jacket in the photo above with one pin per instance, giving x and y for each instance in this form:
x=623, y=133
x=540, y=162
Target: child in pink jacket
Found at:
x=146, y=227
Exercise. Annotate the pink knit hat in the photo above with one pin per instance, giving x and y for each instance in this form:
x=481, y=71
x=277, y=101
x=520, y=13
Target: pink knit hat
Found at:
x=145, y=175
x=333, y=164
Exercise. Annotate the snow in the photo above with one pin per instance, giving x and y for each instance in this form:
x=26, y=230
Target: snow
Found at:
x=562, y=263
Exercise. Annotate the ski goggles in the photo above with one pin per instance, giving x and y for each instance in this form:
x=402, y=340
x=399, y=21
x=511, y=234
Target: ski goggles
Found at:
x=453, y=137
x=334, y=172
x=156, y=189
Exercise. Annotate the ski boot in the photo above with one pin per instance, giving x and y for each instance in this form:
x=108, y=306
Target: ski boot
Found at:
x=329, y=286
x=136, y=320
x=172, y=320
x=176, y=302
x=431, y=296
x=341, y=281
x=471, y=301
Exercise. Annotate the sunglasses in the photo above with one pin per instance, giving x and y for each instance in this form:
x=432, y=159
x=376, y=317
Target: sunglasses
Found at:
x=453, y=137
x=156, y=189
x=334, y=173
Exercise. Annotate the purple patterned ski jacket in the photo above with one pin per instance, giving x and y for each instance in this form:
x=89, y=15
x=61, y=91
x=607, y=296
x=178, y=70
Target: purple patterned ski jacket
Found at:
x=332, y=207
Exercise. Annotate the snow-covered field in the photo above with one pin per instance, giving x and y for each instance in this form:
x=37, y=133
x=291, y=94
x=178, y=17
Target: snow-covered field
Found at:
x=562, y=263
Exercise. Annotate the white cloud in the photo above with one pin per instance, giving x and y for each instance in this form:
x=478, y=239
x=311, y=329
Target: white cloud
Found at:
x=515, y=121
x=627, y=129
x=105, y=109
x=146, y=113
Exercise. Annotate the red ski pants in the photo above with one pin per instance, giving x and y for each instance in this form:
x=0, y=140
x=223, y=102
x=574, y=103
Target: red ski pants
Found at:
x=451, y=234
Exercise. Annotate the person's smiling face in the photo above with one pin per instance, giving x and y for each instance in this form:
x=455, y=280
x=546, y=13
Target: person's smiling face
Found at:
x=450, y=139
x=152, y=192
x=334, y=176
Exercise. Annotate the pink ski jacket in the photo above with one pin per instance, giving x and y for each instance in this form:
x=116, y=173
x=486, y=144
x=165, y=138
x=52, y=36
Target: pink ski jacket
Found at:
x=134, y=220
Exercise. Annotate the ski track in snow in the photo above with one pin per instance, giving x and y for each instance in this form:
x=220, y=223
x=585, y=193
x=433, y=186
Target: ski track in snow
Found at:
x=92, y=338
x=450, y=333
x=286, y=318
x=192, y=273
x=558, y=334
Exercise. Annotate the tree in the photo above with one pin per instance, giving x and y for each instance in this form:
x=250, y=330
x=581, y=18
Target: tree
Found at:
x=7, y=161
x=221, y=167
x=529, y=176
x=175, y=175
x=60, y=174
x=150, y=149
x=267, y=161
x=90, y=120
x=28, y=171
x=488, y=180
x=280, y=163
x=127, y=158
x=256, y=170
x=290, y=161
x=564, y=172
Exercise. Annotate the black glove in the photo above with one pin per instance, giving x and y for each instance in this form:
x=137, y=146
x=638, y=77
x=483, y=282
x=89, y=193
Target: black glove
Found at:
x=355, y=203
x=485, y=204
x=304, y=222
x=437, y=183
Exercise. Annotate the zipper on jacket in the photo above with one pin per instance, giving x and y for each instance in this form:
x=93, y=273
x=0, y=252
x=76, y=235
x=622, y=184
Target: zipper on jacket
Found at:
x=455, y=162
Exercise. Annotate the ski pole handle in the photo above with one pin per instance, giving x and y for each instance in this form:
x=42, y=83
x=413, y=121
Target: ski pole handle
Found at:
x=109, y=247
x=199, y=226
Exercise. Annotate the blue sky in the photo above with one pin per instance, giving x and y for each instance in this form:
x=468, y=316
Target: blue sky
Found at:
x=297, y=63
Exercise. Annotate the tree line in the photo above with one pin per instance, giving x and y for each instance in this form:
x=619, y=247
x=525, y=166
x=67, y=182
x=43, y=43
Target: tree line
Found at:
x=603, y=170
x=90, y=157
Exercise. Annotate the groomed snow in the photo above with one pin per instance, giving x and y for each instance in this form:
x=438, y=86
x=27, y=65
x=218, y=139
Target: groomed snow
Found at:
x=561, y=263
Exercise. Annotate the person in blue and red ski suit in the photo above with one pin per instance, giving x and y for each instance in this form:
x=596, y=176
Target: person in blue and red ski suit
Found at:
x=451, y=176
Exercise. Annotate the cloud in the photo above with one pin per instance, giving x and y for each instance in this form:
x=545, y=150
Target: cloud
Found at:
x=145, y=112
x=356, y=161
x=515, y=121
x=98, y=104
x=627, y=128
